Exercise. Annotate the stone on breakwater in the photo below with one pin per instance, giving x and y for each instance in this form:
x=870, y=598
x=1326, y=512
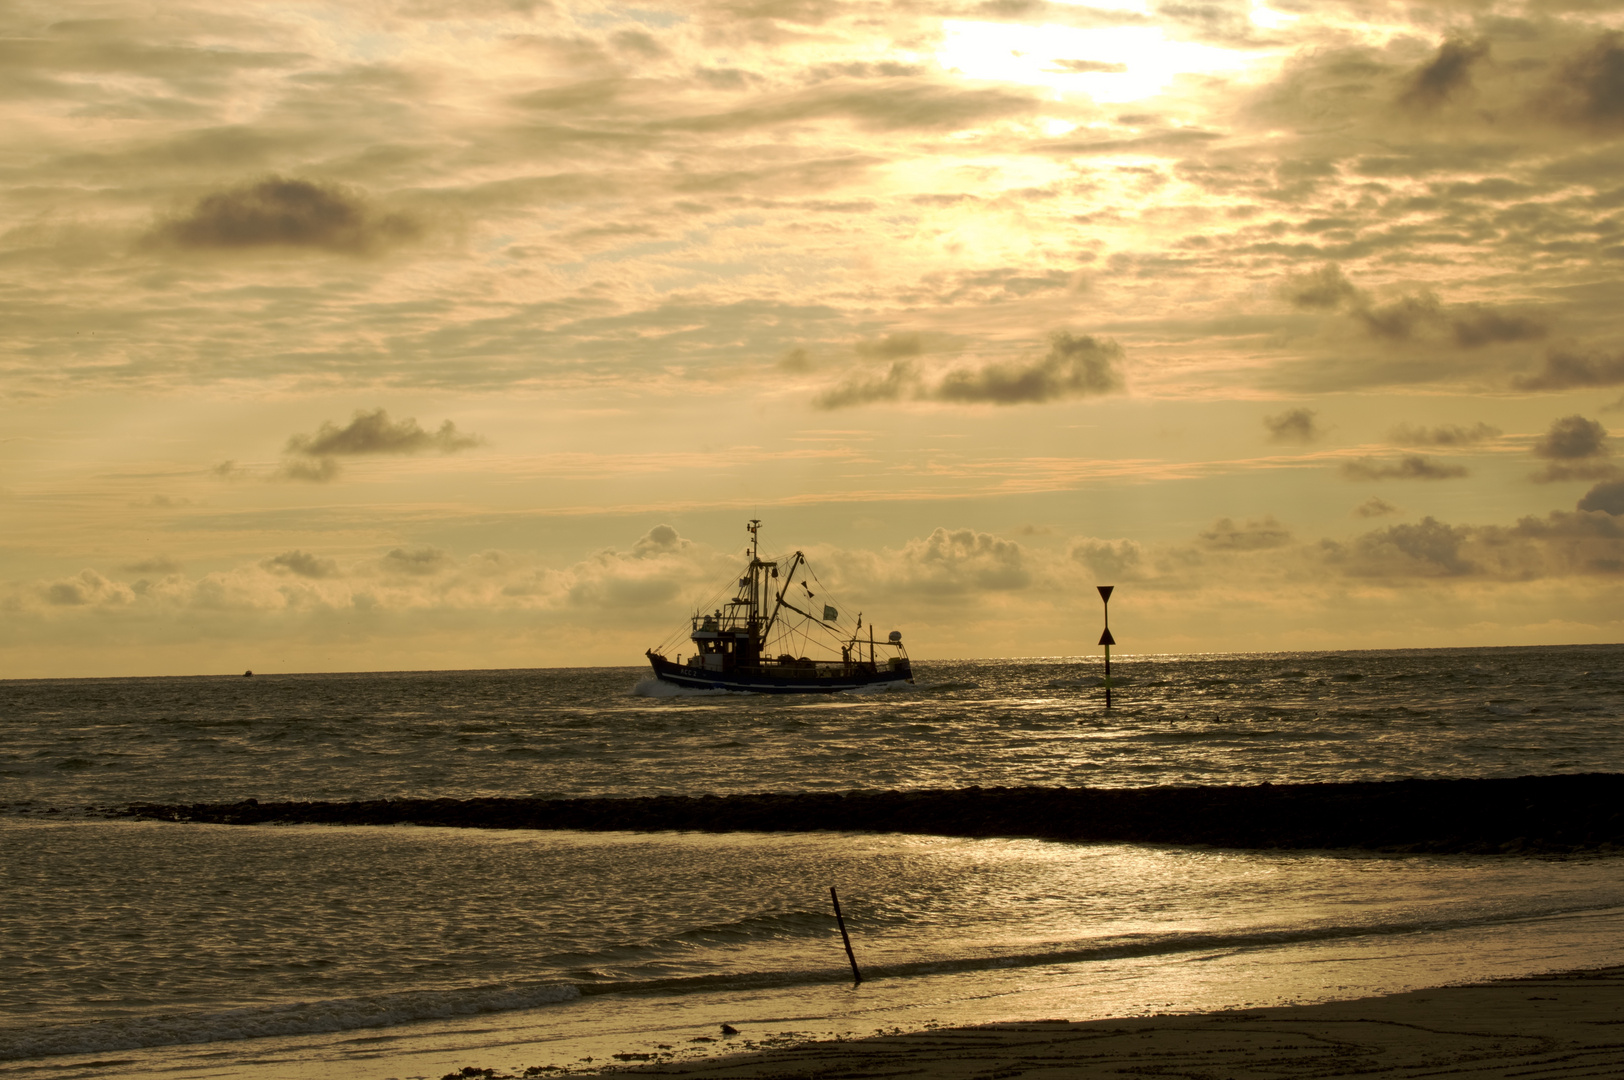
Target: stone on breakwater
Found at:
x=1528, y=814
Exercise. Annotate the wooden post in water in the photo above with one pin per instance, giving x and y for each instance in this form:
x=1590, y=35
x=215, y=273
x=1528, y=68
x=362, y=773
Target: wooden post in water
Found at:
x=857, y=976
x=1106, y=639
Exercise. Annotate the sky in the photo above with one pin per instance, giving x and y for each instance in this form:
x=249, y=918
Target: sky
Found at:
x=422, y=335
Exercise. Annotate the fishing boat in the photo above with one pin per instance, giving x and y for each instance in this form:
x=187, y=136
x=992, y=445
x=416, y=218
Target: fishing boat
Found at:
x=763, y=641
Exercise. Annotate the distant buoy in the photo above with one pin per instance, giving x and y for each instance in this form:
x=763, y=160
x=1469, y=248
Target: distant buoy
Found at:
x=247, y=674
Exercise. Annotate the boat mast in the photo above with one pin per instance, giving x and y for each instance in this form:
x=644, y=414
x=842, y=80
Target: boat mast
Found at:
x=753, y=624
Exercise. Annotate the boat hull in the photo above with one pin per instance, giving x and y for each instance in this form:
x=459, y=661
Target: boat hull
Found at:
x=761, y=682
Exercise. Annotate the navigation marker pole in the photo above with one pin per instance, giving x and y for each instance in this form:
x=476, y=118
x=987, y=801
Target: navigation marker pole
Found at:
x=1106, y=639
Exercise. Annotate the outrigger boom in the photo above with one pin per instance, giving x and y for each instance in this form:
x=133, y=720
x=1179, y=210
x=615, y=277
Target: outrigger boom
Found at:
x=733, y=643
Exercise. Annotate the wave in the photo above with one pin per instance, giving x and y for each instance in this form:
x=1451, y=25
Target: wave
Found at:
x=261, y=1021
x=386, y=1010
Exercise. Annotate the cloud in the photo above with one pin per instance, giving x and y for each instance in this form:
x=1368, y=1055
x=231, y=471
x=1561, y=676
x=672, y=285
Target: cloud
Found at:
x=1607, y=497
x=1588, y=87
x=1565, y=370
x=1425, y=549
x=1408, y=467
x=1085, y=67
x=158, y=565
x=417, y=562
x=1108, y=559
x=1225, y=535
x=1323, y=289
x=660, y=540
x=1073, y=367
x=1408, y=316
x=88, y=588
x=899, y=382
x=1292, y=426
x=1447, y=74
x=795, y=361
x=891, y=347
x=1443, y=435
x=1576, y=448
x=1401, y=319
x=1571, y=438
x=320, y=471
x=301, y=564
x=1375, y=507
x=1475, y=325
x=374, y=433
x=956, y=561
x=280, y=212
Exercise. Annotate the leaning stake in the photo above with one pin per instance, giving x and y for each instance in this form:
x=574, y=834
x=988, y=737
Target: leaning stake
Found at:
x=855, y=974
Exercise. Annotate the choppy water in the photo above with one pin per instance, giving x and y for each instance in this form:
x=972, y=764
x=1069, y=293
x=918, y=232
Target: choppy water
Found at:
x=1178, y=720
x=121, y=938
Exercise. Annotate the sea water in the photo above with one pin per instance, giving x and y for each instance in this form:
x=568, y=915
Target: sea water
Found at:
x=183, y=950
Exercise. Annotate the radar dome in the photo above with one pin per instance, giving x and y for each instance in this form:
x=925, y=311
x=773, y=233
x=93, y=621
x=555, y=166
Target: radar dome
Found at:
x=896, y=635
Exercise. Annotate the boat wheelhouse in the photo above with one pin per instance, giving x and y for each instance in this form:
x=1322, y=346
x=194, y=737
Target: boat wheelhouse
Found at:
x=763, y=641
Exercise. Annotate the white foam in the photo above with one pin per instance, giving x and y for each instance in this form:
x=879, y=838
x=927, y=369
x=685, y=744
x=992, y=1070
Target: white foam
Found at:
x=649, y=686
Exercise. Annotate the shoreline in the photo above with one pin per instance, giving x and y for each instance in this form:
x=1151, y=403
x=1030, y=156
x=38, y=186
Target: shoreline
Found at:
x=1553, y=1026
x=1527, y=815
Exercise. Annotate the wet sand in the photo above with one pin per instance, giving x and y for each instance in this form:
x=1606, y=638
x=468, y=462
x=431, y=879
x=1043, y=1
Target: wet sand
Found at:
x=1515, y=815
x=1553, y=1027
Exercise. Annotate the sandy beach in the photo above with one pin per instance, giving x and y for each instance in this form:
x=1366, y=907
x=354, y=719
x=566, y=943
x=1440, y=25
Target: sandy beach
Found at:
x=1549, y=1027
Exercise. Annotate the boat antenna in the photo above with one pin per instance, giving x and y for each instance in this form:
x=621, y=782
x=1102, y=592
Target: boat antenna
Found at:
x=755, y=540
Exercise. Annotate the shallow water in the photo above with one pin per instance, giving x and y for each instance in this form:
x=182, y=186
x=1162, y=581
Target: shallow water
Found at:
x=366, y=945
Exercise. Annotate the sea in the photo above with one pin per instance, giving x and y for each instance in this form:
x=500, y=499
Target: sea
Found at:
x=139, y=948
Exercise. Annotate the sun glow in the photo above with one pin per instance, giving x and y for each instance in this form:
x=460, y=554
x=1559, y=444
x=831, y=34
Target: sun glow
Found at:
x=1113, y=64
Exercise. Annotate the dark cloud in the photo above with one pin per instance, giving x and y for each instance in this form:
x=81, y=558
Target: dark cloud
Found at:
x=891, y=347
x=1073, y=367
x=278, y=212
x=1375, y=507
x=1572, y=438
x=374, y=433
x=1428, y=548
x=1475, y=325
x=1607, y=498
x=1576, y=449
x=1566, y=370
x=899, y=382
x=418, y=562
x=1292, y=426
x=1401, y=319
x=301, y=564
x=1325, y=288
x=1443, y=435
x=1588, y=87
x=1589, y=543
x=1408, y=316
x=317, y=471
x=1408, y=467
x=1225, y=535
x=1445, y=75
x=796, y=361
